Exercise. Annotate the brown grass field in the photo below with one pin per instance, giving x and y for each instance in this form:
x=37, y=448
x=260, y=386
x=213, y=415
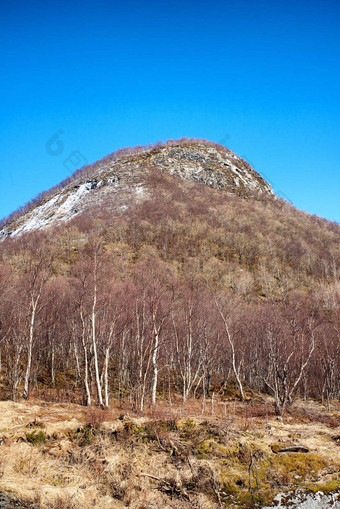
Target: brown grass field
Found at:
x=67, y=456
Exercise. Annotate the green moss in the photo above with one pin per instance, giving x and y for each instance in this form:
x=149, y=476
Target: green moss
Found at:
x=187, y=424
x=145, y=433
x=205, y=449
x=36, y=438
x=210, y=447
x=269, y=473
x=325, y=487
x=300, y=463
x=84, y=436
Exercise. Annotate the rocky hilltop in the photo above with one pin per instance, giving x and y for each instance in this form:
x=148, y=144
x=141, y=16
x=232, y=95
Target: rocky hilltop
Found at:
x=122, y=178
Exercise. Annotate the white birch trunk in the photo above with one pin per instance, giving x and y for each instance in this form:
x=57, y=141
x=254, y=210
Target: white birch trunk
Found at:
x=30, y=347
x=155, y=368
x=106, y=376
x=94, y=345
x=86, y=363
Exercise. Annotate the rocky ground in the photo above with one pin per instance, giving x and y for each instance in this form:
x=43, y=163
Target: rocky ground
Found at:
x=302, y=500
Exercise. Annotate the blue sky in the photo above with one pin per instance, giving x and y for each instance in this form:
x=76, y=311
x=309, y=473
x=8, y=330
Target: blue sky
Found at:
x=261, y=77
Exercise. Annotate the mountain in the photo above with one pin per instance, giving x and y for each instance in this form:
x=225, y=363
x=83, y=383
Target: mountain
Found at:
x=189, y=231
x=190, y=200
x=122, y=178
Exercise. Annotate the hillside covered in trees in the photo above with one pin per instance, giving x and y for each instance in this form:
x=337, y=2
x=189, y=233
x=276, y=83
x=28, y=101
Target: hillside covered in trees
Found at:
x=170, y=287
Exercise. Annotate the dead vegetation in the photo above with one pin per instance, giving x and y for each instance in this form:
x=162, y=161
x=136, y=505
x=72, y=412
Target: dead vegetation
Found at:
x=65, y=456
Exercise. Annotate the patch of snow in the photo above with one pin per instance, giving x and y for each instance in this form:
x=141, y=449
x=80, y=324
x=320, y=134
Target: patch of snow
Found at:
x=68, y=205
x=60, y=207
x=37, y=217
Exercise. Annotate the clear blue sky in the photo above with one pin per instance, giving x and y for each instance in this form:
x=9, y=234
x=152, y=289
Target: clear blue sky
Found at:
x=262, y=77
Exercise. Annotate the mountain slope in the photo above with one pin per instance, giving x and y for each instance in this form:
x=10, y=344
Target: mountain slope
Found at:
x=191, y=201
x=121, y=178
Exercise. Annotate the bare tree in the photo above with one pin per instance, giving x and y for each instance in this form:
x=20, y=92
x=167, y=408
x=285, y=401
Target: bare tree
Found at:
x=226, y=309
x=188, y=328
x=35, y=265
x=289, y=343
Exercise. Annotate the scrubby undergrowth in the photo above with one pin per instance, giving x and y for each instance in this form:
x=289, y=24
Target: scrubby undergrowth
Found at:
x=65, y=456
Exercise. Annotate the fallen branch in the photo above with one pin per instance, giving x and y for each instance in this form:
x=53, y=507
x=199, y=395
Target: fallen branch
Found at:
x=294, y=448
x=143, y=474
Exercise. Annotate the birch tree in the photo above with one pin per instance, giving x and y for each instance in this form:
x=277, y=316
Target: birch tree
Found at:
x=155, y=281
x=188, y=332
x=289, y=343
x=225, y=310
x=35, y=267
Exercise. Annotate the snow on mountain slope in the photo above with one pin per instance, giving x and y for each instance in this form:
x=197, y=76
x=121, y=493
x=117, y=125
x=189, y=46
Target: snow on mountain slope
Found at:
x=66, y=204
x=120, y=178
x=60, y=206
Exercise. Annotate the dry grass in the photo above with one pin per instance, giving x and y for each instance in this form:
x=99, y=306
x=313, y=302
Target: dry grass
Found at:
x=171, y=457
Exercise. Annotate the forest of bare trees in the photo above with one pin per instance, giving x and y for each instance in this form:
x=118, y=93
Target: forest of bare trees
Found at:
x=78, y=322
x=189, y=293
